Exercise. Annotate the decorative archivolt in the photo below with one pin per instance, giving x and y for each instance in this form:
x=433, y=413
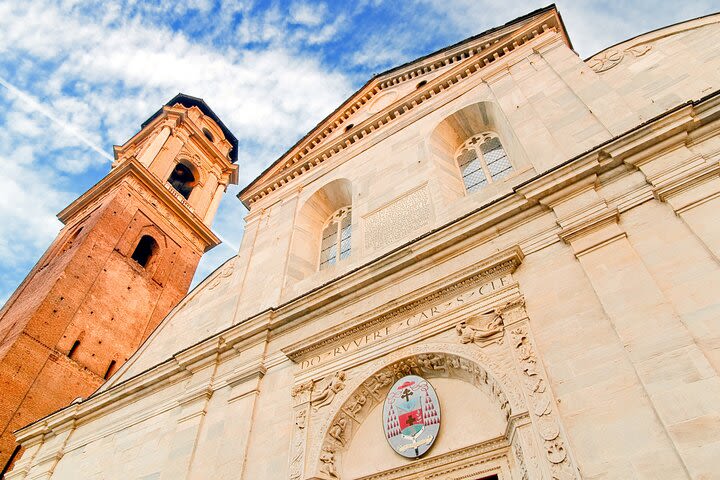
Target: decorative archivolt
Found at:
x=354, y=398
x=193, y=162
x=330, y=411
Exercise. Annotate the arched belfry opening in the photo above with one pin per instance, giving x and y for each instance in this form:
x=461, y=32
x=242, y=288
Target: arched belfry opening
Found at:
x=145, y=250
x=182, y=179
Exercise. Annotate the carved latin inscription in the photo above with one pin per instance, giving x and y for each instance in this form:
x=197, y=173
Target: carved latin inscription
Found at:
x=408, y=322
x=398, y=219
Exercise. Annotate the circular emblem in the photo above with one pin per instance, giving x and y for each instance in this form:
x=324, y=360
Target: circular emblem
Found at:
x=411, y=416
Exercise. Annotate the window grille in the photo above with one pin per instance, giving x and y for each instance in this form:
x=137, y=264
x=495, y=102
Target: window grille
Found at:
x=482, y=160
x=336, y=238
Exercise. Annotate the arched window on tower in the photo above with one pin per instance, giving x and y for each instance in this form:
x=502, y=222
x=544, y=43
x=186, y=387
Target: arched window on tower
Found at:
x=336, y=238
x=182, y=180
x=145, y=249
x=482, y=160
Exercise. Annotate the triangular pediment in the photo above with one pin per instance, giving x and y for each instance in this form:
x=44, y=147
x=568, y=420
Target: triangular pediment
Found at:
x=391, y=94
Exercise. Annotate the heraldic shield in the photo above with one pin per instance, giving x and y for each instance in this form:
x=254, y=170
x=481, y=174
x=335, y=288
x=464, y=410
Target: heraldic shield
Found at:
x=411, y=416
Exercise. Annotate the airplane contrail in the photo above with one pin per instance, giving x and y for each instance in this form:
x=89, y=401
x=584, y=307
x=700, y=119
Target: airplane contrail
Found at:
x=38, y=107
x=46, y=112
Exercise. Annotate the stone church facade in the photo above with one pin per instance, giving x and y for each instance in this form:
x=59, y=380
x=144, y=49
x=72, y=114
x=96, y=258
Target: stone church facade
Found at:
x=532, y=233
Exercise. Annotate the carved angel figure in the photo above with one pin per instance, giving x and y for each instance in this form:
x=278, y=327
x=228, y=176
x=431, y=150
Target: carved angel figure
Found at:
x=327, y=457
x=337, y=430
x=380, y=380
x=432, y=361
x=357, y=404
x=325, y=396
x=470, y=334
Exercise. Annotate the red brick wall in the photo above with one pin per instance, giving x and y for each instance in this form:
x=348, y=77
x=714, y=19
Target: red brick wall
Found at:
x=92, y=292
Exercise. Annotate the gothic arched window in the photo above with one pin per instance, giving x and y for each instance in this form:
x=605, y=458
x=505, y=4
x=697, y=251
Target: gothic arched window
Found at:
x=182, y=180
x=335, y=244
x=146, y=248
x=482, y=160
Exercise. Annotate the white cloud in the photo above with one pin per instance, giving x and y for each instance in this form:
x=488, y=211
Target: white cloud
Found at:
x=308, y=14
x=100, y=73
x=100, y=68
x=29, y=200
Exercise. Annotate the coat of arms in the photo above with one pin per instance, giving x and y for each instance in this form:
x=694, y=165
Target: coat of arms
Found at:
x=411, y=416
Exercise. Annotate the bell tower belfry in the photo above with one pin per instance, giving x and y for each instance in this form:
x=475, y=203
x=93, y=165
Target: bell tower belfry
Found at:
x=124, y=258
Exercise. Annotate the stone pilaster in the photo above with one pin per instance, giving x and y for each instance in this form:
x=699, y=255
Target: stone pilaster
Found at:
x=651, y=331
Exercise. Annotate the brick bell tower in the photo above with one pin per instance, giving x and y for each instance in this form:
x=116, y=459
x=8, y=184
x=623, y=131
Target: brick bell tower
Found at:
x=125, y=257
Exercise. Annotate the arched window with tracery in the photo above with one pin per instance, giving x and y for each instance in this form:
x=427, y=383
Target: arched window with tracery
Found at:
x=482, y=160
x=336, y=236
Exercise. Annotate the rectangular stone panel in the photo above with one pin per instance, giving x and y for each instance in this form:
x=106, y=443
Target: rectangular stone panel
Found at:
x=396, y=220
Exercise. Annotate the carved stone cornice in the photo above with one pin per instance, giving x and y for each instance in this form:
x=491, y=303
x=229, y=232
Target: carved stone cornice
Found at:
x=593, y=218
x=481, y=452
x=681, y=180
x=132, y=168
x=459, y=62
x=502, y=263
x=194, y=359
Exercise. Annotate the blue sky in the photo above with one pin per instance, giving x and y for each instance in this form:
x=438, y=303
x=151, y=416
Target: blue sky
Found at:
x=77, y=77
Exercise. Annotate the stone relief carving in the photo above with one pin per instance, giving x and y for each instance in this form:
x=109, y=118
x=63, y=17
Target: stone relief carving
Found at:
x=325, y=396
x=379, y=381
x=337, y=430
x=480, y=335
x=540, y=405
x=432, y=362
x=300, y=419
x=491, y=324
x=521, y=461
x=398, y=219
x=357, y=403
x=327, y=458
x=224, y=273
x=297, y=455
x=306, y=387
x=335, y=433
x=610, y=58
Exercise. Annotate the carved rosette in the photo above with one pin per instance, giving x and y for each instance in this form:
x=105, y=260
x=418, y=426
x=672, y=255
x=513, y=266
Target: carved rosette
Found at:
x=541, y=405
x=609, y=58
x=226, y=271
